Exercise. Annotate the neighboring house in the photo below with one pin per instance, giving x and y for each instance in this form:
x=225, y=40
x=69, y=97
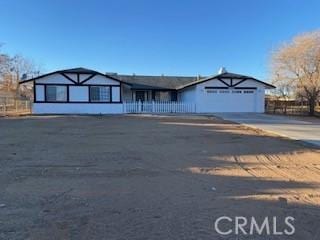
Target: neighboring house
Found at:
x=81, y=90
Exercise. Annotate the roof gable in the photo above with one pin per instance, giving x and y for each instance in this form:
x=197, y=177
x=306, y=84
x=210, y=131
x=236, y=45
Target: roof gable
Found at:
x=65, y=73
x=226, y=75
x=152, y=82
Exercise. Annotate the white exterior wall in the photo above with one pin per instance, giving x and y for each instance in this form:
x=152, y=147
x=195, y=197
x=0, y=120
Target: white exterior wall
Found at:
x=77, y=108
x=54, y=79
x=73, y=76
x=260, y=93
x=77, y=95
x=84, y=76
x=188, y=95
x=101, y=80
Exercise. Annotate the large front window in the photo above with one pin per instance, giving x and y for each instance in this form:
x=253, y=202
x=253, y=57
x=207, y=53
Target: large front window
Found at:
x=100, y=94
x=163, y=96
x=56, y=93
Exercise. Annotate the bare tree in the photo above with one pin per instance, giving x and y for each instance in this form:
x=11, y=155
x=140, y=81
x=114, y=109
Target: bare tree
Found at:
x=296, y=65
x=282, y=95
x=4, y=63
x=12, y=70
x=20, y=66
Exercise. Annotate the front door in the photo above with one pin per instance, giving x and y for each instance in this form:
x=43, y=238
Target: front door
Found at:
x=140, y=96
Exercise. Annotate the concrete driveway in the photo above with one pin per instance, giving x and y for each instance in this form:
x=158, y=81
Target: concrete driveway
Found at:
x=306, y=129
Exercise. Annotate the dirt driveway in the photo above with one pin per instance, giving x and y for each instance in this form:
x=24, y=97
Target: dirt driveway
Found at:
x=135, y=177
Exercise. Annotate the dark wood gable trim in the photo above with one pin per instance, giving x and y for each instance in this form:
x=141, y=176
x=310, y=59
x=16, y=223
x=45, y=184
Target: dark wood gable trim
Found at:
x=77, y=82
x=68, y=93
x=69, y=78
x=231, y=82
x=34, y=93
x=216, y=87
x=231, y=85
x=88, y=78
x=243, y=88
x=224, y=82
x=241, y=81
x=220, y=78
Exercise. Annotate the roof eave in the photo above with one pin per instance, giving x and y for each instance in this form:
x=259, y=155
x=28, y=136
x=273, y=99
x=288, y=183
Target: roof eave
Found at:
x=70, y=72
x=268, y=86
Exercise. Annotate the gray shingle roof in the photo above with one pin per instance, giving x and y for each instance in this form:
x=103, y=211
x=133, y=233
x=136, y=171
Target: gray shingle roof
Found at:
x=78, y=70
x=160, y=82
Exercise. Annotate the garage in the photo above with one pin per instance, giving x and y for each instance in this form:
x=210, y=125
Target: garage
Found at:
x=226, y=92
x=229, y=100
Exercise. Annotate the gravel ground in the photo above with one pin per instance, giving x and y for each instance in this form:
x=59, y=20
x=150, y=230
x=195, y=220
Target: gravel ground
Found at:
x=150, y=177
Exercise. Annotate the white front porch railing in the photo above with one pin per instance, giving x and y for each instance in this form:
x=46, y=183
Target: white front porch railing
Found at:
x=158, y=107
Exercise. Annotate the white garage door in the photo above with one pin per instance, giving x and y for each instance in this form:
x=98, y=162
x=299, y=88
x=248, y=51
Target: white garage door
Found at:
x=228, y=100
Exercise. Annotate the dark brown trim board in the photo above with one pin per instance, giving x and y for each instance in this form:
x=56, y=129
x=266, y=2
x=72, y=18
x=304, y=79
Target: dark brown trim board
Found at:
x=244, y=88
x=34, y=93
x=216, y=87
x=87, y=79
x=69, y=78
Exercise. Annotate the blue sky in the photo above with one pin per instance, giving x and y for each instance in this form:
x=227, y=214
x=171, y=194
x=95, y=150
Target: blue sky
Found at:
x=154, y=37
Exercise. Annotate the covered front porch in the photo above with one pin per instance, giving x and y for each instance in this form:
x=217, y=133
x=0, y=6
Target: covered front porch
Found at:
x=143, y=93
x=146, y=99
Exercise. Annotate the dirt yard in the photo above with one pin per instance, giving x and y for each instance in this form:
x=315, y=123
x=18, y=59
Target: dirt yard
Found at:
x=142, y=177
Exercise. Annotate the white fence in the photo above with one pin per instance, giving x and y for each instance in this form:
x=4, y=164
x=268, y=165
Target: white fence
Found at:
x=158, y=107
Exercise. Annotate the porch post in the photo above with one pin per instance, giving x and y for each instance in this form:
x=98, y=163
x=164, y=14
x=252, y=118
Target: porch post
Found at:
x=174, y=96
x=139, y=106
x=153, y=95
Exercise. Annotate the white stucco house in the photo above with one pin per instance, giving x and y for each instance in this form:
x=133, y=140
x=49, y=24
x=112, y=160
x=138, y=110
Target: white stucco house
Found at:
x=85, y=91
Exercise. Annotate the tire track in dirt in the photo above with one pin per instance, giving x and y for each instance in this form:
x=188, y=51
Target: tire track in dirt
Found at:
x=270, y=163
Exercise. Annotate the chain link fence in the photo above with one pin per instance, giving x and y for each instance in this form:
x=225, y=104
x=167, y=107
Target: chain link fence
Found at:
x=13, y=107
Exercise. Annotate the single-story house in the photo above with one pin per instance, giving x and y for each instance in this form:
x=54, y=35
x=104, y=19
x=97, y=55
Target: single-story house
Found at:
x=86, y=91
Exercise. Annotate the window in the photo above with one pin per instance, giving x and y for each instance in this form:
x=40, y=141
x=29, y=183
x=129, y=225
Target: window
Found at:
x=56, y=93
x=236, y=91
x=163, y=96
x=224, y=91
x=212, y=91
x=100, y=94
x=248, y=91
